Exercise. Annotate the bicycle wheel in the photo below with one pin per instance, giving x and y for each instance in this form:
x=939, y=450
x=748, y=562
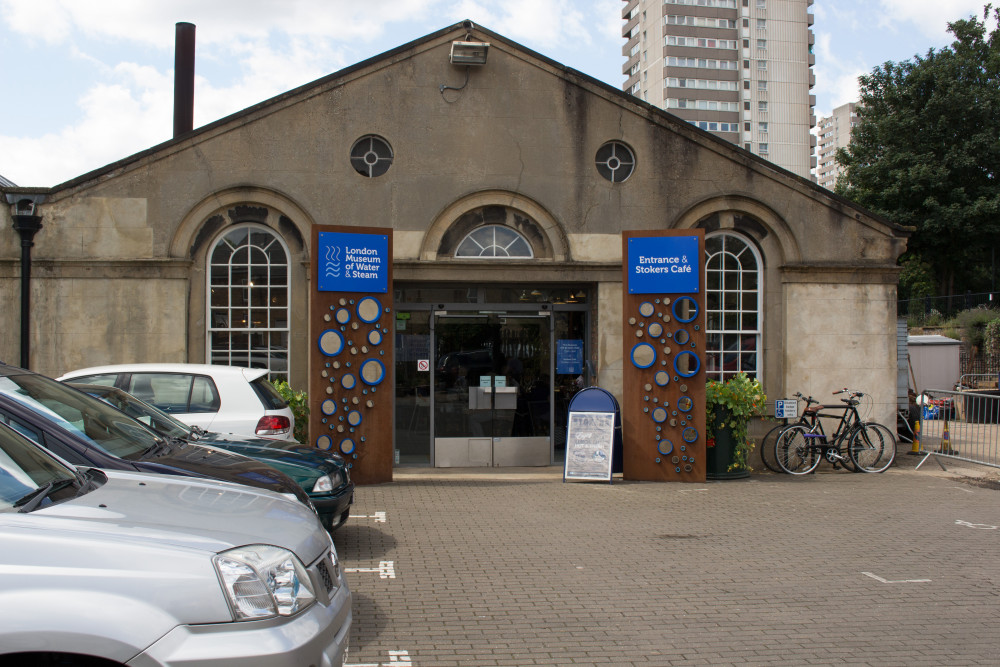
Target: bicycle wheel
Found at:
x=767, y=452
x=872, y=447
x=794, y=453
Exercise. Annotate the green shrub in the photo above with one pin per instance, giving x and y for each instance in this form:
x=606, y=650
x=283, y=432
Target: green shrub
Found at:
x=973, y=322
x=298, y=401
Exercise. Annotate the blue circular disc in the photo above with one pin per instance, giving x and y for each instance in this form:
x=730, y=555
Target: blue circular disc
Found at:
x=690, y=434
x=692, y=309
x=665, y=447
x=369, y=309
x=331, y=342
x=372, y=371
x=328, y=407
x=643, y=355
x=324, y=442
x=691, y=372
x=347, y=446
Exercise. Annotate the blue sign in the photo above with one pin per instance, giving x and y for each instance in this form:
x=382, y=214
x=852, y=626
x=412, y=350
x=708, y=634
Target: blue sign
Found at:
x=663, y=265
x=569, y=356
x=353, y=262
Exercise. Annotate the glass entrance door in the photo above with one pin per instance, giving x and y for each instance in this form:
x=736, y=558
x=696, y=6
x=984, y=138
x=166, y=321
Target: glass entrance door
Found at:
x=492, y=389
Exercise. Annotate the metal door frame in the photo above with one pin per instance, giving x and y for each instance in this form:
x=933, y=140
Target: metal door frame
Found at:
x=463, y=310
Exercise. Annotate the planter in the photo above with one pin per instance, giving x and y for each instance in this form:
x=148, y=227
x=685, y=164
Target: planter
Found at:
x=719, y=454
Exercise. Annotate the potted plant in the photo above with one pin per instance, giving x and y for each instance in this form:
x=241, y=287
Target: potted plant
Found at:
x=729, y=406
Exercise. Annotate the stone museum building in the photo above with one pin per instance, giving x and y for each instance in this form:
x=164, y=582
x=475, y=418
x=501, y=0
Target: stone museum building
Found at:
x=505, y=182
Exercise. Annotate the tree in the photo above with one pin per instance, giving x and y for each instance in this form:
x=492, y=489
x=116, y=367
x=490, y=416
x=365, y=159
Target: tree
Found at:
x=926, y=152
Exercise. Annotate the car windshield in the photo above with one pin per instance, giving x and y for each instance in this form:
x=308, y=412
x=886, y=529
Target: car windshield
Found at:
x=25, y=468
x=141, y=411
x=81, y=414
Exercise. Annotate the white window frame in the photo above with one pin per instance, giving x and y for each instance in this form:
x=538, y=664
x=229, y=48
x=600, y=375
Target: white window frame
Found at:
x=736, y=246
x=273, y=357
x=485, y=238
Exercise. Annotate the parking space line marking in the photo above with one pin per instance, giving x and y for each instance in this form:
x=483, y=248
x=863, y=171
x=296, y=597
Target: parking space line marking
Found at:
x=378, y=516
x=386, y=569
x=980, y=526
x=396, y=659
x=900, y=581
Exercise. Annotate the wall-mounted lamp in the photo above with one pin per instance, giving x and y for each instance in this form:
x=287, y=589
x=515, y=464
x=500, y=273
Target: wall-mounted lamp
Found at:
x=469, y=53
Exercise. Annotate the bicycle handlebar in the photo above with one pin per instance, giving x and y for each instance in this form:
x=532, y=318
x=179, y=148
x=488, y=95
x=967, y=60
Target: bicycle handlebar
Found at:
x=853, y=392
x=808, y=399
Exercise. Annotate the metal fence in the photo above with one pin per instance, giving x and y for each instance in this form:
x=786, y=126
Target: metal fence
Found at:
x=946, y=306
x=960, y=425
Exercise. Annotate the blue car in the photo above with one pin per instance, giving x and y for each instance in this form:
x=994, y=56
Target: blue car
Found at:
x=322, y=475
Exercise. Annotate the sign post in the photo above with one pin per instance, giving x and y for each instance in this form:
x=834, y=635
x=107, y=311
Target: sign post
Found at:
x=351, y=397
x=663, y=313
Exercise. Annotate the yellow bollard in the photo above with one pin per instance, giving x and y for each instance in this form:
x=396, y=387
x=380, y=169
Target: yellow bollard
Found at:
x=915, y=448
x=945, y=447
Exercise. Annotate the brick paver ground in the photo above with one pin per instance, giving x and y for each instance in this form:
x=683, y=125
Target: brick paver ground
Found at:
x=515, y=567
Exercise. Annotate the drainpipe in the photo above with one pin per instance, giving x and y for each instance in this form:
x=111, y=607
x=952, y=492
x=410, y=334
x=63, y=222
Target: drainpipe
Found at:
x=26, y=224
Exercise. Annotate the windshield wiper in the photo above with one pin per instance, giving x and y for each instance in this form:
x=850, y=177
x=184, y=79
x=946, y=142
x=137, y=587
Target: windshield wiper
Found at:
x=29, y=502
x=157, y=447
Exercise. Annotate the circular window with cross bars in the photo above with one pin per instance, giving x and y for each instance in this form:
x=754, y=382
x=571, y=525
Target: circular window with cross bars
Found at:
x=615, y=161
x=371, y=156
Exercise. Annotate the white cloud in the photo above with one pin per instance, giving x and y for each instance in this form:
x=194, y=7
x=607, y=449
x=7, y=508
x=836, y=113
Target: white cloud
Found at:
x=930, y=17
x=836, y=76
x=218, y=21
x=254, y=49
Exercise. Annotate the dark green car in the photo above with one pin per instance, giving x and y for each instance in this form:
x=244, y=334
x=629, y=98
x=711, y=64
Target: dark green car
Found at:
x=322, y=475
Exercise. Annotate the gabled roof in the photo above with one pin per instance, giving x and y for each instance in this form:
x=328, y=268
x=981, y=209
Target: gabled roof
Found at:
x=575, y=76
x=5, y=183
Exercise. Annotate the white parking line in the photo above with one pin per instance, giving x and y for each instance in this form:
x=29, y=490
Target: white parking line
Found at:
x=396, y=659
x=900, y=581
x=378, y=516
x=386, y=569
x=980, y=526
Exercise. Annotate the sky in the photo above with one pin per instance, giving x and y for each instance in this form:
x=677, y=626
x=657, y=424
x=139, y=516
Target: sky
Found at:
x=89, y=82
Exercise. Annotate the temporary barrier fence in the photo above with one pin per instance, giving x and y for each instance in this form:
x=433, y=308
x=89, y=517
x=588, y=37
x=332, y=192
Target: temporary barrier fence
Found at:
x=960, y=425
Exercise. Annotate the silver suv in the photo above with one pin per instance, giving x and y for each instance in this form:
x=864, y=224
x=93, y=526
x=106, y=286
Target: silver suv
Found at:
x=155, y=570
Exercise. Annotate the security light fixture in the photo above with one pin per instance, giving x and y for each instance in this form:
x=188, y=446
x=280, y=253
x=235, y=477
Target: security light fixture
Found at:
x=469, y=53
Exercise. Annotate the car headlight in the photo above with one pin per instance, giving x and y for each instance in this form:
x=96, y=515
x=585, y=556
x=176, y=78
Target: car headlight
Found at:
x=263, y=581
x=324, y=484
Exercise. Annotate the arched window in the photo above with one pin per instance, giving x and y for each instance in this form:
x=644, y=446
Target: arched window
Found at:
x=248, y=300
x=493, y=241
x=733, y=306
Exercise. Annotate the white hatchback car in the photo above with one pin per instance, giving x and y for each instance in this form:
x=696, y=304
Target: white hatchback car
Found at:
x=224, y=399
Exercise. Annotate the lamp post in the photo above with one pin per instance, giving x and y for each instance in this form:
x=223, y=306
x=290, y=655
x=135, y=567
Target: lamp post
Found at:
x=26, y=224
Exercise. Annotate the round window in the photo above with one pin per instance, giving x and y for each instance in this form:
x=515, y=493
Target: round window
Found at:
x=371, y=156
x=615, y=161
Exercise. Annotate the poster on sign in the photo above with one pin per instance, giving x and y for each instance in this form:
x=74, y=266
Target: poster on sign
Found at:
x=589, y=441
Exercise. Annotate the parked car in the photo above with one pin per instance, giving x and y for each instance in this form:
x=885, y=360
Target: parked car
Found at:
x=113, y=568
x=225, y=399
x=322, y=475
x=87, y=431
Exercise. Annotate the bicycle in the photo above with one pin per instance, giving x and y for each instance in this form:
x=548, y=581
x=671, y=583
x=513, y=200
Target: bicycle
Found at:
x=868, y=446
x=770, y=439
